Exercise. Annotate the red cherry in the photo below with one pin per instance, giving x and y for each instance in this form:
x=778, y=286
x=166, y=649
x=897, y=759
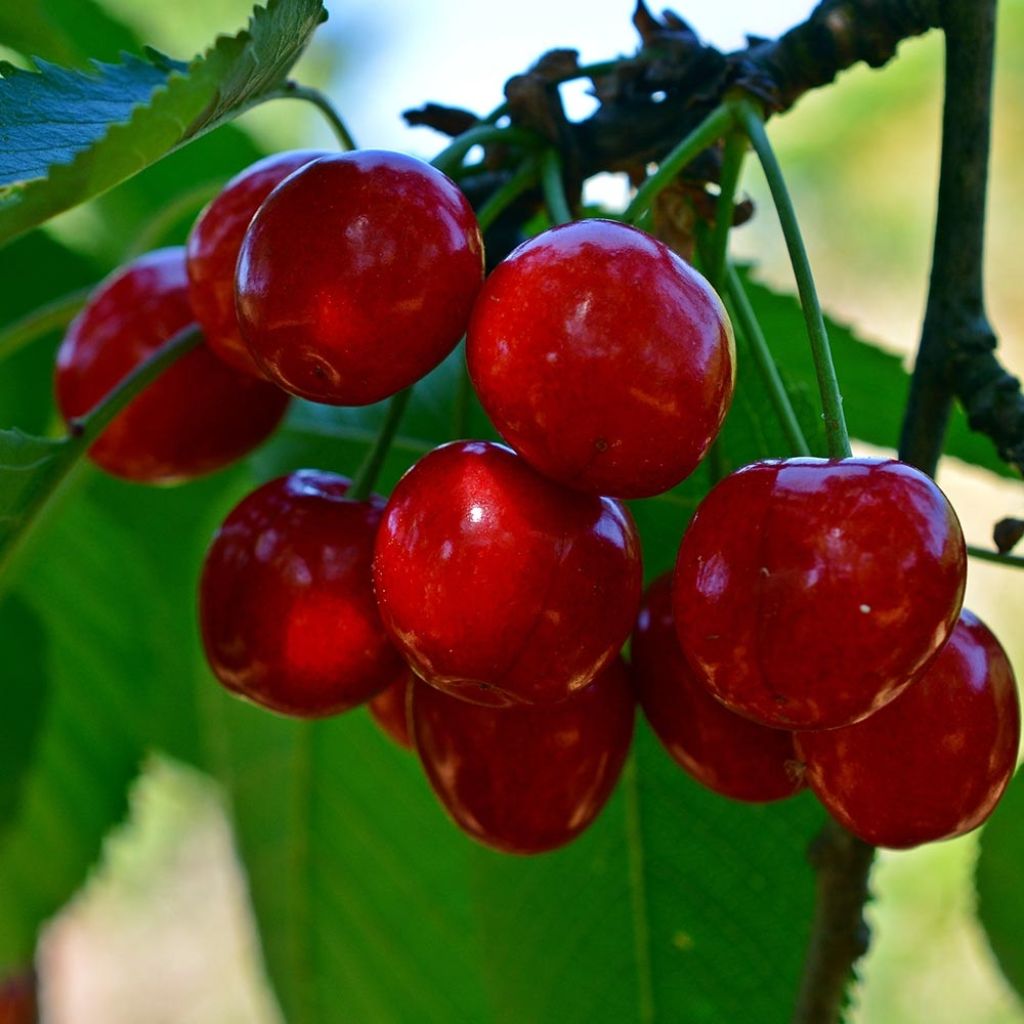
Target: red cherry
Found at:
x=499, y=585
x=213, y=246
x=389, y=710
x=724, y=751
x=933, y=763
x=18, y=1002
x=286, y=602
x=810, y=593
x=357, y=276
x=602, y=358
x=525, y=779
x=197, y=417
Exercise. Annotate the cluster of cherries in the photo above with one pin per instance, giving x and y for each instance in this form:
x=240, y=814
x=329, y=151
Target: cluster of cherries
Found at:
x=812, y=630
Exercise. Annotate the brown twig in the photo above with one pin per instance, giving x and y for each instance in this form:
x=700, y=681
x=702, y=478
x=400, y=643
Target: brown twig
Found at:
x=956, y=356
x=839, y=933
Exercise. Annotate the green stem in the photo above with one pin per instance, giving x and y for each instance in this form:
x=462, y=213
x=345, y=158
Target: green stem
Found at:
x=777, y=394
x=366, y=477
x=718, y=250
x=831, y=400
x=524, y=177
x=985, y=555
x=718, y=123
x=293, y=90
x=87, y=428
x=53, y=316
x=448, y=160
x=554, y=188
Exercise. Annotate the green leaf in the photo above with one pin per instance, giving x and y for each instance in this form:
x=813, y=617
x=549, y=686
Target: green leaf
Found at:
x=874, y=382
x=358, y=881
x=31, y=469
x=132, y=114
x=24, y=684
x=997, y=876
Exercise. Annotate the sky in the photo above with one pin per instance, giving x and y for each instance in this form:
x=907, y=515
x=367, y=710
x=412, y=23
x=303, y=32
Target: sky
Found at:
x=461, y=52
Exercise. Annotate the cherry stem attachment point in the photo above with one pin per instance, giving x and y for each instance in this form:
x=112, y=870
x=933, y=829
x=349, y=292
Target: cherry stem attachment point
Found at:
x=366, y=476
x=554, y=188
x=85, y=429
x=718, y=123
x=752, y=121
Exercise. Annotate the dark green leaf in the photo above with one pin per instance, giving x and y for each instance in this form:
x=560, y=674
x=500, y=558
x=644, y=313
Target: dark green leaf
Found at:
x=67, y=31
x=24, y=682
x=164, y=108
x=998, y=879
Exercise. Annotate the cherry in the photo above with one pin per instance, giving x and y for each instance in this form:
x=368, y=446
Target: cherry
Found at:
x=602, y=358
x=286, y=602
x=809, y=593
x=212, y=252
x=357, y=276
x=525, y=779
x=499, y=585
x=720, y=749
x=933, y=763
x=389, y=711
x=197, y=417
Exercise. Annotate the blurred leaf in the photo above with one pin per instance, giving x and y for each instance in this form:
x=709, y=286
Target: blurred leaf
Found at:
x=67, y=31
x=113, y=583
x=132, y=114
x=997, y=876
x=874, y=383
x=24, y=682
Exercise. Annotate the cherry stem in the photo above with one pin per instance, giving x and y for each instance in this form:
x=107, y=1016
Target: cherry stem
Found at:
x=449, y=159
x=718, y=123
x=523, y=178
x=54, y=316
x=752, y=120
x=366, y=476
x=293, y=90
x=744, y=315
x=986, y=555
x=85, y=429
x=718, y=249
x=554, y=188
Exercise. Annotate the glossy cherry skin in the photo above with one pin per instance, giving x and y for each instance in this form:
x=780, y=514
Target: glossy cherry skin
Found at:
x=198, y=416
x=720, y=749
x=525, y=779
x=286, y=603
x=602, y=358
x=934, y=762
x=357, y=276
x=390, y=710
x=212, y=252
x=809, y=593
x=499, y=585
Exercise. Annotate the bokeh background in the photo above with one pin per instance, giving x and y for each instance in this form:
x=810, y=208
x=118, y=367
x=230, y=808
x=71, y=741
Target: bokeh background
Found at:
x=163, y=932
